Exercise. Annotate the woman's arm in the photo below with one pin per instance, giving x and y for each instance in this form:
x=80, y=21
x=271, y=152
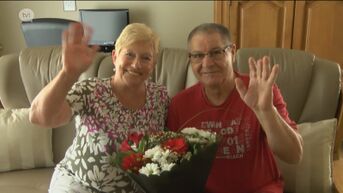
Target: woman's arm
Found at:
x=50, y=107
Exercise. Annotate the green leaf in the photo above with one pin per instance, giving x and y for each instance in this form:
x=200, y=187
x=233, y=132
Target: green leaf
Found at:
x=119, y=157
x=142, y=144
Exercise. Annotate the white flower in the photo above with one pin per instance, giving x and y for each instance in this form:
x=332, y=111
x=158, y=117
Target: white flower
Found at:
x=206, y=134
x=198, y=135
x=162, y=159
x=150, y=169
x=165, y=154
x=169, y=156
x=190, y=130
x=194, y=139
x=154, y=153
x=167, y=166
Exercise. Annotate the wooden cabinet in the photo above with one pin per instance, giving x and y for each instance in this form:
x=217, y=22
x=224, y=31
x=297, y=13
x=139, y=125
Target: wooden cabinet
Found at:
x=314, y=26
x=318, y=28
x=257, y=23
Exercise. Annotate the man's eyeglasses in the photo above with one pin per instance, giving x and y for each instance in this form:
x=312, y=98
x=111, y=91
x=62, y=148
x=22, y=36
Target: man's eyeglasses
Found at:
x=215, y=54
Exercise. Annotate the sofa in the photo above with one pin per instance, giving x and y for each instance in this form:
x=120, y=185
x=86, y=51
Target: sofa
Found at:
x=28, y=153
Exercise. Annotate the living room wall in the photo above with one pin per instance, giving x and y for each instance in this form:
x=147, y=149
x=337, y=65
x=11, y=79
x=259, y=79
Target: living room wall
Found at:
x=172, y=20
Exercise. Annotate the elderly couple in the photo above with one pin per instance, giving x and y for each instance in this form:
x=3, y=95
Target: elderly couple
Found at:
x=247, y=111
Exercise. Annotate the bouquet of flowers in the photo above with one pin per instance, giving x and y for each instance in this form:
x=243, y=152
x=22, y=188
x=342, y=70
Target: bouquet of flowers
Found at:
x=169, y=161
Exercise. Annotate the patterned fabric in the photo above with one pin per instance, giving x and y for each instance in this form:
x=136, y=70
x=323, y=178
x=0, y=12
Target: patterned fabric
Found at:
x=62, y=182
x=102, y=122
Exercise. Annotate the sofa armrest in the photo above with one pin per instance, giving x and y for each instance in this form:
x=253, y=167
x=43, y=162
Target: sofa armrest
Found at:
x=12, y=92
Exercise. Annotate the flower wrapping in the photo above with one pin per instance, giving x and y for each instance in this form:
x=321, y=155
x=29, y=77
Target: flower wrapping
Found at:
x=169, y=162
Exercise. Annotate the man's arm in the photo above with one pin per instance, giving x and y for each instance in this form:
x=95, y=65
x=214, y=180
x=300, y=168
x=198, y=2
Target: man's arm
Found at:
x=285, y=142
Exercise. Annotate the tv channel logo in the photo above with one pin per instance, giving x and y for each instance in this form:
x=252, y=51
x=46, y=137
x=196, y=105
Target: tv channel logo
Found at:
x=26, y=14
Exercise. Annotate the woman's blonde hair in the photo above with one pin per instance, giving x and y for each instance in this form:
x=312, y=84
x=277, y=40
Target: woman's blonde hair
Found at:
x=137, y=32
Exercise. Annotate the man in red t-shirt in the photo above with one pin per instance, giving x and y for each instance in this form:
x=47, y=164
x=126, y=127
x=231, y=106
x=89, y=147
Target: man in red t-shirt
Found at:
x=247, y=111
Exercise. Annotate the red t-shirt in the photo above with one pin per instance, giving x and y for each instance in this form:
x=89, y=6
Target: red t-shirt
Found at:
x=244, y=162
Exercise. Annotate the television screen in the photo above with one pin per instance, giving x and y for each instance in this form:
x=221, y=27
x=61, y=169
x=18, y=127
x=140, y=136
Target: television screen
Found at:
x=44, y=31
x=107, y=24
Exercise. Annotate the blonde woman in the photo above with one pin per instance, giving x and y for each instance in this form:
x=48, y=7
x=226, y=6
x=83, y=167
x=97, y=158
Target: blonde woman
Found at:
x=106, y=110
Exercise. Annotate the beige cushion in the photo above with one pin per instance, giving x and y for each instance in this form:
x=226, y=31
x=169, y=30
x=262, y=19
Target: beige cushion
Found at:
x=22, y=144
x=314, y=173
x=26, y=181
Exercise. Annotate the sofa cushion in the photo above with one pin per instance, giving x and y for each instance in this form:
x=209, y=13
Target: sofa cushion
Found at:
x=39, y=65
x=171, y=69
x=26, y=181
x=23, y=145
x=314, y=173
x=303, y=80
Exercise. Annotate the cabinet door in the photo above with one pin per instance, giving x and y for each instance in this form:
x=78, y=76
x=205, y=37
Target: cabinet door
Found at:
x=318, y=28
x=257, y=23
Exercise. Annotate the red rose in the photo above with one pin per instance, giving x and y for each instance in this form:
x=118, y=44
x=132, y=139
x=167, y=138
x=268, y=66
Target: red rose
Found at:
x=177, y=145
x=134, y=138
x=125, y=146
x=132, y=162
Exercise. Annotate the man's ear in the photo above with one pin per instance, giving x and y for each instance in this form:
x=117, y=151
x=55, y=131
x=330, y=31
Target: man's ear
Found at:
x=233, y=51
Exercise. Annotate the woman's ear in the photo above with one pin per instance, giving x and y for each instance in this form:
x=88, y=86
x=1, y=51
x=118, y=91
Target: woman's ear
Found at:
x=114, y=56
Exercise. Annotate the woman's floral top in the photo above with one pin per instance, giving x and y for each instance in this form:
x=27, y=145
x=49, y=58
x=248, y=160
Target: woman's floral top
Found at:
x=102, y=122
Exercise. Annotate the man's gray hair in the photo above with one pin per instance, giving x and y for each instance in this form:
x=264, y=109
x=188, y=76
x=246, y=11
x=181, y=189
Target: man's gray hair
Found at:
x=211, y=28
